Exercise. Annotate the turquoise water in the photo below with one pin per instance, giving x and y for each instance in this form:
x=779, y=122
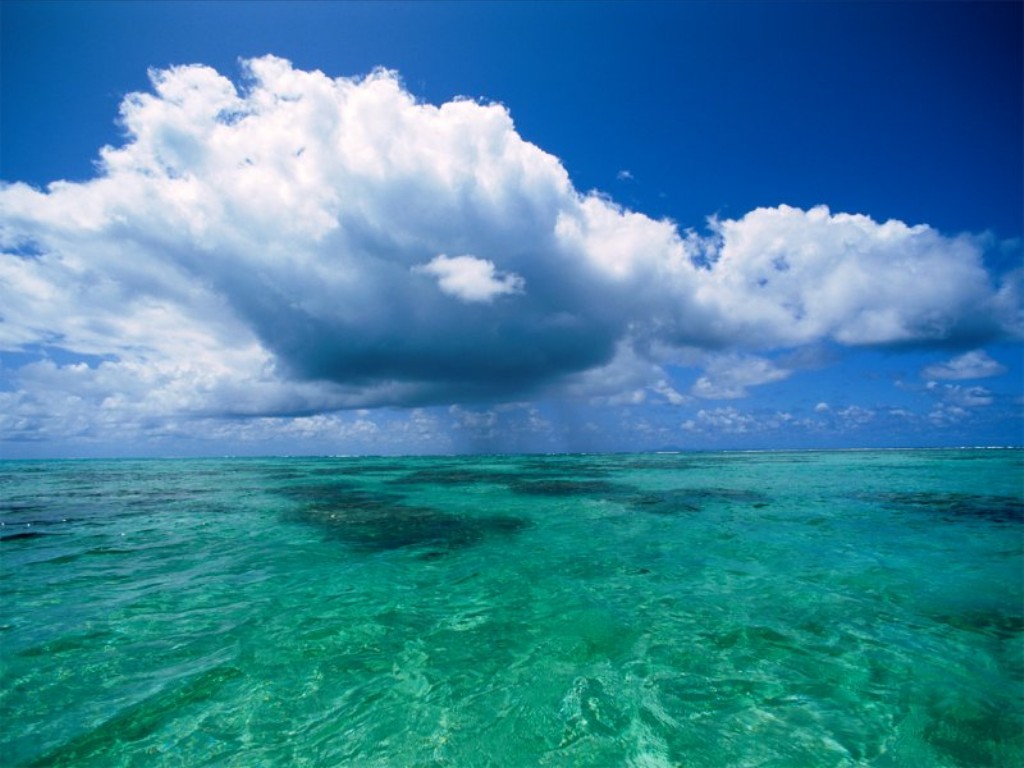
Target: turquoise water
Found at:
x=777, y=609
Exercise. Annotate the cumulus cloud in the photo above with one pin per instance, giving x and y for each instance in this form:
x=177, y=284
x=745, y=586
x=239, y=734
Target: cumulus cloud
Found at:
x=955, y=394
x=727, y=377
x=855, y=415
x=471, y=279
x=976, y=364
x=669, y=393
x=279, y=246
x=943, y=415
x=784, y=276
x=731, y=421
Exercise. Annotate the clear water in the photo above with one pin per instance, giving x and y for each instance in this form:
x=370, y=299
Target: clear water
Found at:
x=789, y=609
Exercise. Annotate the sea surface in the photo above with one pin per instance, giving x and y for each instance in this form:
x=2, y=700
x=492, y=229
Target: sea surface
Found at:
x=706, y=609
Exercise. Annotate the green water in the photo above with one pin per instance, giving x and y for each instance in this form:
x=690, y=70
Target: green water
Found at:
x=789, y=609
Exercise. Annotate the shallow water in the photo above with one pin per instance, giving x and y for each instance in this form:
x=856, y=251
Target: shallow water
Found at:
x=776, y=609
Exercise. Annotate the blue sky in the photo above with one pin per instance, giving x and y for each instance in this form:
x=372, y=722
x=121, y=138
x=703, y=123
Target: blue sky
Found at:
x=432, y=227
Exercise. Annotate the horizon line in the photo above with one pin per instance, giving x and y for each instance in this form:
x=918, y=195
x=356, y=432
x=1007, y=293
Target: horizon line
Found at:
x=509, y=454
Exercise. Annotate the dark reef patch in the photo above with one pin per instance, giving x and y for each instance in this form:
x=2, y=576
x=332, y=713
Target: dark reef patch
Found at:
x=668, y=462
x=22, y=535
x=532, y=486
x=374, y=522
x=994, y=623
x=20, y=508
x=959, y=506
x=108, y=551
x=571, y=466
x=688, y=500
x=286, y=475
x=354, y=470
x=452, y=476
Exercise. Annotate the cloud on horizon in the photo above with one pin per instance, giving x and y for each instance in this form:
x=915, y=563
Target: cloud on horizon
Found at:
x=284, y=248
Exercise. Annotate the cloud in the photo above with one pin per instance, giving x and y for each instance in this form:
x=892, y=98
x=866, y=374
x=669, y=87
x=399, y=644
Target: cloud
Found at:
x=783, y=276
x=731, y=421
x=725, y=420
x=471, y=279
x=669, y=393
x=496, y=429
x=955, y=394
x=944, y=415
x=278, y=248
x=971, y=365
x=727, y=377
x=855, y=415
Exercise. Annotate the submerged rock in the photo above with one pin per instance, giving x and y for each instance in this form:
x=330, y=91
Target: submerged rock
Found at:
x=960, y=506
x=687, y=500
x=374, y=521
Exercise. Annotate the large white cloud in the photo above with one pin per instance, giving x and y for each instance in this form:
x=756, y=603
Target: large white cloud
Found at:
x=784, y=276
x=280, y=248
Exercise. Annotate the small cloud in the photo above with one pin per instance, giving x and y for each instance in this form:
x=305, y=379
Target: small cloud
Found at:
x=856, y=416
x=471, y=279
x=725, y=420
x=624, y=175
x=731, y=421
x=728, y=376
x=473, y=420
x=971, y=365
x=633, y=397
x=944, y=415
x=669, y=392
x=967, y=397
x=822, y=408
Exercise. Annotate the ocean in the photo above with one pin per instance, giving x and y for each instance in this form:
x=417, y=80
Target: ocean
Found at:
x=691, y=609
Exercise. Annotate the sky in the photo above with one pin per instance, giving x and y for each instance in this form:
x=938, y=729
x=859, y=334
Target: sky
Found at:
x=251, y=228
